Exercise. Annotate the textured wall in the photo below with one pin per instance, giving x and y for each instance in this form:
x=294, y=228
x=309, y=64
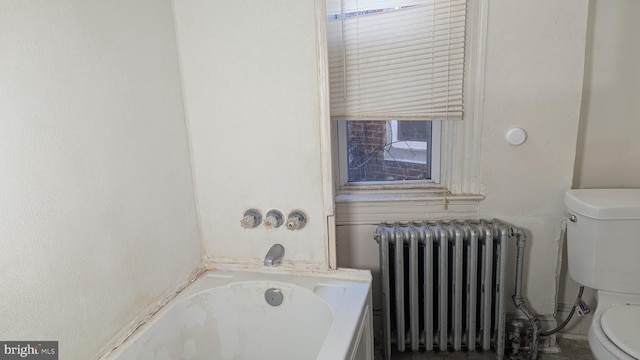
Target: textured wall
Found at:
x=608, y=147
x=252, y=94
x=96, y=199
x=534, y=72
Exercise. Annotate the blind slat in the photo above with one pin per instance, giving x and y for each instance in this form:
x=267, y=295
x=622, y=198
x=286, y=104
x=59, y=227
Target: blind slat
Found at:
x=396, y=59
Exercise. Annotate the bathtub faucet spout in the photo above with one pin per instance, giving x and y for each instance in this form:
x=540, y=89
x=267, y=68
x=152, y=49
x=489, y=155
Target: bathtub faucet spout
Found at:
x=274, y=255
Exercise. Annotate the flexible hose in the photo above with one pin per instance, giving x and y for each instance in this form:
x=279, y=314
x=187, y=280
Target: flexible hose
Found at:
x=566, y=321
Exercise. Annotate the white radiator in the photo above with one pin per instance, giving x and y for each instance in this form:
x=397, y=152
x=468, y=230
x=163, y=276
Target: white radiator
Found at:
x=443, y=285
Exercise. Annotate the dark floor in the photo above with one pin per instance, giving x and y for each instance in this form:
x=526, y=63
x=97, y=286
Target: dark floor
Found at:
x=571, y=349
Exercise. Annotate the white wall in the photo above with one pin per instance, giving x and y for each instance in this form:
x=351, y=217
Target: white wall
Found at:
x=534, y=71
x=252, y=94
x=96, y=199
x=608, y=147
x=533, y=80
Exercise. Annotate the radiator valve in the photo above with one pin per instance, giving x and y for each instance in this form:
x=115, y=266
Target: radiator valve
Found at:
x=516, y=334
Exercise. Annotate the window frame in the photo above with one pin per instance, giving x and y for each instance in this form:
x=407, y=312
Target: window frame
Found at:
x=393, y=128
x=460, y=141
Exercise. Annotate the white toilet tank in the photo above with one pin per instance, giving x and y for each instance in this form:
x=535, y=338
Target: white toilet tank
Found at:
x=603, y=244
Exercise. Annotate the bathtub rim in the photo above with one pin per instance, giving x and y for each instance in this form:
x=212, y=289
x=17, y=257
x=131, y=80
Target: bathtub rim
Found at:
x=247, y=266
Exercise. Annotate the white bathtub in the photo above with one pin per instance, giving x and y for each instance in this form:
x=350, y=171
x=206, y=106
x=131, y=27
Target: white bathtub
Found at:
x=224, y=315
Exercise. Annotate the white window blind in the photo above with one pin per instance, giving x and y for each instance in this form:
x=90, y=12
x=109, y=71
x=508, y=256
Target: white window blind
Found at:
x=396, y=59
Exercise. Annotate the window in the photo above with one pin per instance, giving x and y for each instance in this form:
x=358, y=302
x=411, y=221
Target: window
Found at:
x=393, y=150
x=397, y=74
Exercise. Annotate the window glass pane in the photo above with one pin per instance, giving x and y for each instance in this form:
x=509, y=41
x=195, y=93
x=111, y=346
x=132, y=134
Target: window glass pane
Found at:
x=388, y=150
x=412, y=130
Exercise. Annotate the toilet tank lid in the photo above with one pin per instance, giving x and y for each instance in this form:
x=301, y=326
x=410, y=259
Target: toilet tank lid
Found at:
x=621, y=324
x=605, y=203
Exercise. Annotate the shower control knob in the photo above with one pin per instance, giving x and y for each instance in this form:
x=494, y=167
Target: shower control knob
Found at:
x=274, y=219
x=296, y=220
x=251, y=219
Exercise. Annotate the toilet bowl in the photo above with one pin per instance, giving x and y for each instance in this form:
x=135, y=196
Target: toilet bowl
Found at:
x=603, y=242
x=615, y=328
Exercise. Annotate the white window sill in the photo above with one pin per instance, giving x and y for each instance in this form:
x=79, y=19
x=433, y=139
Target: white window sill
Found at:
x=373, y=207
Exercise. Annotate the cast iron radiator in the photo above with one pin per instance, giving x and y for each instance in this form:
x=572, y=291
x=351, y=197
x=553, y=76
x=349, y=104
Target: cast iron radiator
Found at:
x=443, y=285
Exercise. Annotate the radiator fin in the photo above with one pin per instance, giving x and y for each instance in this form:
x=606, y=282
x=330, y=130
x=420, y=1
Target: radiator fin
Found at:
x=443, y=285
